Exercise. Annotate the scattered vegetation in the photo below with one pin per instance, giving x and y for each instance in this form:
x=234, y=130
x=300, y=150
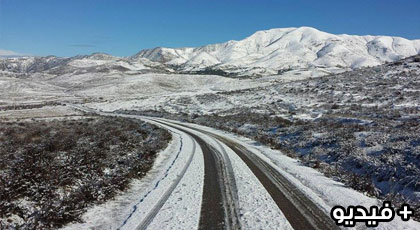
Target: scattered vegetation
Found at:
x=28, y=106
x=50, y=172
x=360, y=127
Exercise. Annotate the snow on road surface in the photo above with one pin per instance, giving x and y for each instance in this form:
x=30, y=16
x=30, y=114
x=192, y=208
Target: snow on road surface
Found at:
x=257, y=208
x=324, y=191
x=181, y=210
x=128, y=209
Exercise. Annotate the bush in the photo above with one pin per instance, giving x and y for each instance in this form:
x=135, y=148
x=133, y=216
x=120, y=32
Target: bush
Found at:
x=61, y=167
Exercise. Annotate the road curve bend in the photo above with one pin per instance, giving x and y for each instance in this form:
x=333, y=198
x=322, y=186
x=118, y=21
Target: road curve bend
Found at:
x=220, y=206
x=300, y=211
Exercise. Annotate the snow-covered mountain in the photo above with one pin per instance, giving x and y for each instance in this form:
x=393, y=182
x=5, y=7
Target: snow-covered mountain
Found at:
x=270, y=51
x=265, y=52
x=94, y=63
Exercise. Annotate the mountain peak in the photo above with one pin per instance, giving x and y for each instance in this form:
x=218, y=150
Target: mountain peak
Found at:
x=283, y=48
x=266, y=52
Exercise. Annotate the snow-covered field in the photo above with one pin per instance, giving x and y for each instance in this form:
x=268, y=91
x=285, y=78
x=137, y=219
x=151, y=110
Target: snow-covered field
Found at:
x=44, y=112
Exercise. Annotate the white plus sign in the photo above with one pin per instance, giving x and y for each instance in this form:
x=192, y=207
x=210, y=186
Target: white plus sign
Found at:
x=405, y=212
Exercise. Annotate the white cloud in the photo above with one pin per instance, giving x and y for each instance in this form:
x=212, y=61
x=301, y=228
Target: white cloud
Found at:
x=9, y=53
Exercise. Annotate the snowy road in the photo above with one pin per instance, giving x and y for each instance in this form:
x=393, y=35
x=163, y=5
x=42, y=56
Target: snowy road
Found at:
x=300, y=211
x=219, y=207
x=222, y=204
x=208, y=179
x=236, y=188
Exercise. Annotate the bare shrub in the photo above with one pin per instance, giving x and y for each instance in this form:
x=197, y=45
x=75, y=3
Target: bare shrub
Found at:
x=61, y=167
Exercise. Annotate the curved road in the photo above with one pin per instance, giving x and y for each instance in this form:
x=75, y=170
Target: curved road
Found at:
x=299, y=210
x=220, y=205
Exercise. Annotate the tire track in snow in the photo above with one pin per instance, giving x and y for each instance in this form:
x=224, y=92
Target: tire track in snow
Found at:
x=154, y=211
x=300, y=211
x=233, y=199
x=148, y=219
x=220, y=204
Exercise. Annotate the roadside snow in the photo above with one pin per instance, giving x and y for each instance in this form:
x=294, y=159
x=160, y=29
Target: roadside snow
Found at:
x=129, y=208
x=182, y=209
x=322, y=190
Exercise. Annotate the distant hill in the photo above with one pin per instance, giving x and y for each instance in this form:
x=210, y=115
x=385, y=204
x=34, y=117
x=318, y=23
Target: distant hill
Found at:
x=266, y=52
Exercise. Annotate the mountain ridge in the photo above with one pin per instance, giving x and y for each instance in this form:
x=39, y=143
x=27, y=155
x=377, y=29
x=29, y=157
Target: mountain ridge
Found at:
x=266, y=52
x=303, y=47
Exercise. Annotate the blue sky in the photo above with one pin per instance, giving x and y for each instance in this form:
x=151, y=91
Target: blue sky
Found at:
x=122, y=27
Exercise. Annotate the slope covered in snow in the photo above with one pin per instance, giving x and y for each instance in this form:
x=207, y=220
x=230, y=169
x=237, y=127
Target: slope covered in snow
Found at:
x=267, y=52
x=271, y=51
x=94, y=63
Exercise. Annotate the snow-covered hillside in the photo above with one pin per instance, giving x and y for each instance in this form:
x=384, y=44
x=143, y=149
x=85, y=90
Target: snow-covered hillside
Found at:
x=271, y=51
x=267, y=52
x=94, y=63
